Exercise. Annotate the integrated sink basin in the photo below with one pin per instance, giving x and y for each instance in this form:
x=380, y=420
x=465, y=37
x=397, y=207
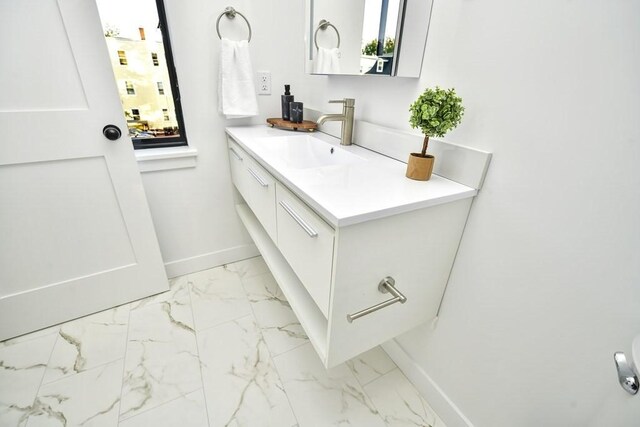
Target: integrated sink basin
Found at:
x=305, y=152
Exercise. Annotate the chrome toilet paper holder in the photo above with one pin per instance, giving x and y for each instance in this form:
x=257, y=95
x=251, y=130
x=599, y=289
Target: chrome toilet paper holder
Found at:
x=386, y=285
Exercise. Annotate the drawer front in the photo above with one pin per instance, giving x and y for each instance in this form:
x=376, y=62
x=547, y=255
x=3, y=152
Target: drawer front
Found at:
x=236, y=163
x=306, y=242
x=260, y=194
x=256, y=186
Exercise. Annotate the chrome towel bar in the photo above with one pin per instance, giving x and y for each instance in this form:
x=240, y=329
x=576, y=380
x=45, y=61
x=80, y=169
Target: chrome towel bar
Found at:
x=386, y=285
x=231, y=13
x=322, y=25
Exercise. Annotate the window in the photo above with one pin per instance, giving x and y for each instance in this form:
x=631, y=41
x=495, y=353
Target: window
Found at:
x=130, y=89
x=122, y=57
x=137, y=33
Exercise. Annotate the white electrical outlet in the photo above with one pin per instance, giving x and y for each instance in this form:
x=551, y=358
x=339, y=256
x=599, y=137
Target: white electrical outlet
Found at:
x=264, y=82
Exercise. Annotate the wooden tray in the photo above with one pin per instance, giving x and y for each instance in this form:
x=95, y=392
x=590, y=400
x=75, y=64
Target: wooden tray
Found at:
x=306, y=125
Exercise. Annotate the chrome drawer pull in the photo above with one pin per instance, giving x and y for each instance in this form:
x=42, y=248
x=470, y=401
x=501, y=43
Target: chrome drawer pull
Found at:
x=310, y=231
x=237, y=156
x=386, y=285
x=257, y=177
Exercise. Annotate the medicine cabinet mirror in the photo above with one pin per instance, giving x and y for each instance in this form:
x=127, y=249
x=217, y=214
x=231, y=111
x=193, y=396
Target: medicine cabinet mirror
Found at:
x=364, y=37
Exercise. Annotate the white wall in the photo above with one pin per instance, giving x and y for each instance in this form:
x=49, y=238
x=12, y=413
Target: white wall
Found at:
x=193, y=208
x=546, y=285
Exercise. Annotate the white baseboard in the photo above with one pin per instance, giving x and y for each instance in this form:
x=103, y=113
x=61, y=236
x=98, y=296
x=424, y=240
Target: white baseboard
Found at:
x=439, y=401
x=210, y=260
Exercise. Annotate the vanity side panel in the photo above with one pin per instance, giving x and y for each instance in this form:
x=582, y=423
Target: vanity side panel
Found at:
x=417, y=249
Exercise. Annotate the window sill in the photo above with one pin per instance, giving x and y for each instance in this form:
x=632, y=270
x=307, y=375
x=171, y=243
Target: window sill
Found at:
x=160, y=159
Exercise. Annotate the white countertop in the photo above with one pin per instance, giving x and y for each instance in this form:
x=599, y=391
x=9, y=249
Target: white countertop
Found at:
x=352, y=193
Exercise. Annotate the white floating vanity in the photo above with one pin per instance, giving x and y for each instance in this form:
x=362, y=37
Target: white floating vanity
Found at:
x=332, y=222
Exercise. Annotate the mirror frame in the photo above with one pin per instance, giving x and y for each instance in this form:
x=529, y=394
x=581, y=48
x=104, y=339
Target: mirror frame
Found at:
x=411, y=39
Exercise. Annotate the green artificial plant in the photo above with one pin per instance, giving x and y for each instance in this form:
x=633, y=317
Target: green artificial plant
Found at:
x=435, y=113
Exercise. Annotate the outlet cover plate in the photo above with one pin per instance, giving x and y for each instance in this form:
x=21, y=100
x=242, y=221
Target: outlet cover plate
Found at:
x=263, y=81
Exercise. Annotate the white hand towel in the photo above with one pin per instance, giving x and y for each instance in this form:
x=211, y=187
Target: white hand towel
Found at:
x=328, y=61
x=236, y=91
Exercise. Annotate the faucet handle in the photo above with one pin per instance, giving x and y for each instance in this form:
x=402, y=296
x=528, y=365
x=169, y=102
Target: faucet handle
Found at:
x=348, y=102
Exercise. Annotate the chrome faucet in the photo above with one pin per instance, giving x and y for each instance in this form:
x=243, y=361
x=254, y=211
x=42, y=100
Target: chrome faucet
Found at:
x=346, y=118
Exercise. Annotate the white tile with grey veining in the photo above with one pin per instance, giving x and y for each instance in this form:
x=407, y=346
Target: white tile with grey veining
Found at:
x=186, y=411
x=321, y=397
x=30, y=336
x=399, y=403
x=217, y=297
x=371, y=365
x=280, y=327
x=89, y=398
x=22, y=366
x=177, y=298
x=161, y=361
x=241, y=385
x=248, y=267
x=89, y=342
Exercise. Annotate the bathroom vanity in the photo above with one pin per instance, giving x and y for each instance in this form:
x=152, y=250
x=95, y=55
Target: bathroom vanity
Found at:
x=332, y=222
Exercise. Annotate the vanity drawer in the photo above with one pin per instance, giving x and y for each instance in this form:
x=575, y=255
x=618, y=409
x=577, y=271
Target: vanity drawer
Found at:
x=236, y=164
x=256, y=185
x=306, y=242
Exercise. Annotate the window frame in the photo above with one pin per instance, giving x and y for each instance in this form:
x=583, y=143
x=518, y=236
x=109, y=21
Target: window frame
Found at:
x=170, y=141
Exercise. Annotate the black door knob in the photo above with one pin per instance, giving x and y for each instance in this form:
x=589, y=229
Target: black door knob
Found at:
x=111, y=132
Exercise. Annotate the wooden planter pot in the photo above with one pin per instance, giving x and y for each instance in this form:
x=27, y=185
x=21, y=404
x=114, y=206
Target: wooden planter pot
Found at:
x=420, y=168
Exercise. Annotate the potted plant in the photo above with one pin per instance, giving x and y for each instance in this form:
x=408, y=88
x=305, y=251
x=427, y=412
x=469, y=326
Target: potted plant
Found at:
x=435, y=113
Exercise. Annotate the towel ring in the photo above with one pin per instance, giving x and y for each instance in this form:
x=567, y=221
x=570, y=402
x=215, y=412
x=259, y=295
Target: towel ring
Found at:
x=323, y=26
x=231, y=13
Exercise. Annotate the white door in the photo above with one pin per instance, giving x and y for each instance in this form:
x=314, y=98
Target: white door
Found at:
x=76, y=234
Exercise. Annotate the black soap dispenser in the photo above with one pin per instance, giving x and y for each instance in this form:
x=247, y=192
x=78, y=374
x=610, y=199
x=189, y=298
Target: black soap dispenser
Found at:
x=286, y=99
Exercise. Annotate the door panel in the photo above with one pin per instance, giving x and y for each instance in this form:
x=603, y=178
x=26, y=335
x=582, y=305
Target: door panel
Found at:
x=89, y=204
x=76, y=234
x=40, y=53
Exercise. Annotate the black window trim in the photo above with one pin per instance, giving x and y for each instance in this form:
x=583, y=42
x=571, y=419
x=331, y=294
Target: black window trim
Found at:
x=171, y=141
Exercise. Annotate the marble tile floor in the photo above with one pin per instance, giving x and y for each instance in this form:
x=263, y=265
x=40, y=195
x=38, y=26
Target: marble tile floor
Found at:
x=220, y=348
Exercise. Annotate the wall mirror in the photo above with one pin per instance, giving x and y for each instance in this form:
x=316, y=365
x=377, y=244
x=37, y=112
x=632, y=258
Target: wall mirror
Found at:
x=366, y=37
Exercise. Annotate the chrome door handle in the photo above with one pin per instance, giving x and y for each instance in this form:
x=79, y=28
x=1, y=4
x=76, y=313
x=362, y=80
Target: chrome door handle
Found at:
x=297, y=218
x=626, y=376
x=386, y=285
x=257, y=177
x=237, y=156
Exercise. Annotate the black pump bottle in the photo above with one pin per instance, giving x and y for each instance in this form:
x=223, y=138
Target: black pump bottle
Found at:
x=286, y=99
